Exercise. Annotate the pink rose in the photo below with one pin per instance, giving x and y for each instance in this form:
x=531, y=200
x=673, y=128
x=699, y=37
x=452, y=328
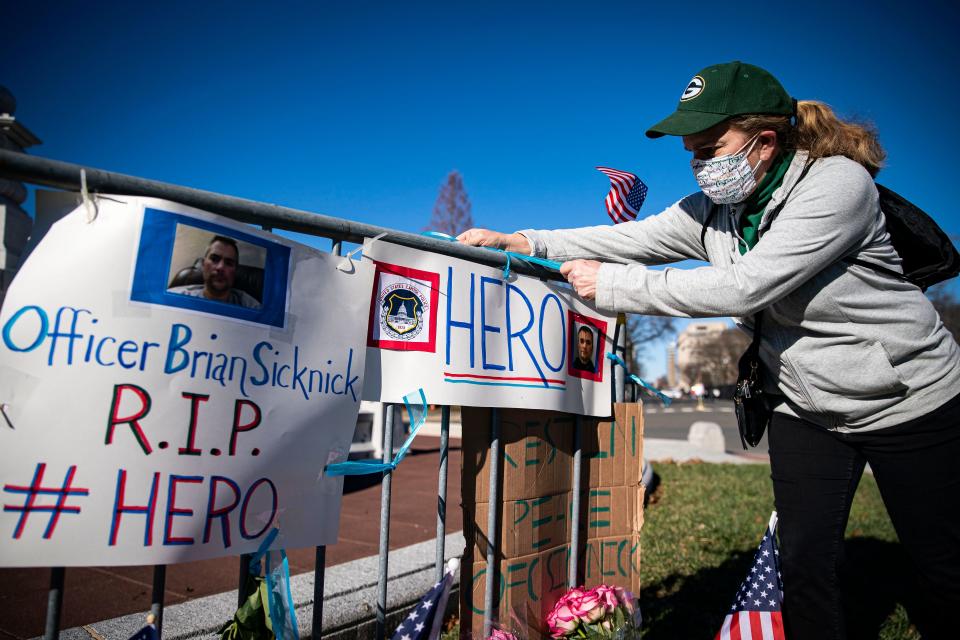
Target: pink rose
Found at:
x=590, y=607
x=562, y=620
x=572, y=596
x=499, y=634
x=608, y=596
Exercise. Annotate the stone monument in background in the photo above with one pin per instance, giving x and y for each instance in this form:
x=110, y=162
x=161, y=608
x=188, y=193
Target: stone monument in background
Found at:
x=15, y=223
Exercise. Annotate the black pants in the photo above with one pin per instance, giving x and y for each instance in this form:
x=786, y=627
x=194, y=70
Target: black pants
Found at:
x=815, y=475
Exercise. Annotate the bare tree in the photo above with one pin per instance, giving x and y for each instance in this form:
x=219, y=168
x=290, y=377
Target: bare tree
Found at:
x=451, y=211
x=641, y=332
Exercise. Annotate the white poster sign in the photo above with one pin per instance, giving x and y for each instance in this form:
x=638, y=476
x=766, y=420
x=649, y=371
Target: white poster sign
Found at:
x=467, y=336
x=173, y=384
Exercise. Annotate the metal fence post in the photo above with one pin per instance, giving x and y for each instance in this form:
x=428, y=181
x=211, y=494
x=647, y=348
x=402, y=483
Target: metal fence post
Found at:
x=492, y=526
x=620, y=347
x=574, y=566
x=319, y=573
x=384, y=523
x=442, y=488
x=156, y=604
x=618, y=379
x=244, y=572
x=54, y=603
x=320, y=557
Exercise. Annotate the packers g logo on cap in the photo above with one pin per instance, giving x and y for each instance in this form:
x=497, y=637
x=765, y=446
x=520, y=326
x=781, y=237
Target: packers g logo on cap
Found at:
x=694, y=88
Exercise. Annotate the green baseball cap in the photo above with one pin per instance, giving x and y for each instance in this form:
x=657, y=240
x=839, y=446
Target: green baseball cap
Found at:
x=721, y=91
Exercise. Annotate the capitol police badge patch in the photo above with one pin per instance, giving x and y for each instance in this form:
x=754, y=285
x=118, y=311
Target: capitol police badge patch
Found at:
x=401, y=316
x=403, y=309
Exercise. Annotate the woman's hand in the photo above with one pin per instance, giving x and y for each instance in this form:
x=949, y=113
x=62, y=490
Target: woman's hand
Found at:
x=582, y=275
x=514, y=242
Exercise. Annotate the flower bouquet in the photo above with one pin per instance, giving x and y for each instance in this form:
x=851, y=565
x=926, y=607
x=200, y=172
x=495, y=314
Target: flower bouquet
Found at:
x=601, y=612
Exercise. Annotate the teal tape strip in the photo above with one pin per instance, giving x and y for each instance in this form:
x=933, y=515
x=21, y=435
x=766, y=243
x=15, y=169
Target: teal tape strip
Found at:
x=262, y=550
x=358, y=467
x=640, y=381
x=439, y=235
x=365, y=467
x=543, y=262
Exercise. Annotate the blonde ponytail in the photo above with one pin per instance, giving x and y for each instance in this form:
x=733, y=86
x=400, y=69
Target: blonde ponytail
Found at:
x=821, y=133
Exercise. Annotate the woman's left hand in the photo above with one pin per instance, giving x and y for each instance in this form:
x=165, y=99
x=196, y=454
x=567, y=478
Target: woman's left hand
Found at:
x=582, y=274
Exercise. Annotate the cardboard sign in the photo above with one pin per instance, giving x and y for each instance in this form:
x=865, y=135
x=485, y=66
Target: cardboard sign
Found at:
x=173, y=384
x=468, y=337
x=536, y=472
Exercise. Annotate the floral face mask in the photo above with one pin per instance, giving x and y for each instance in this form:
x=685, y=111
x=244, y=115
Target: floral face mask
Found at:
x=727, y=179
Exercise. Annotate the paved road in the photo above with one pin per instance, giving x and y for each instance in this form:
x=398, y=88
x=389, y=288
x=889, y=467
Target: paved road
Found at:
x=674, y=421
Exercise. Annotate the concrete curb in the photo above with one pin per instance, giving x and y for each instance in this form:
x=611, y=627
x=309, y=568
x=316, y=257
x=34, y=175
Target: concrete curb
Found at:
x=349, y=599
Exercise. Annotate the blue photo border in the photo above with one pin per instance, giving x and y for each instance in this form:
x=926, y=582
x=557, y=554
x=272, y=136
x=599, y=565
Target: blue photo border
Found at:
x=157, y=235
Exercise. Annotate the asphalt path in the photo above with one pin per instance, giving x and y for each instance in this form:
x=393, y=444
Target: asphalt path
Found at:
x=674, y=422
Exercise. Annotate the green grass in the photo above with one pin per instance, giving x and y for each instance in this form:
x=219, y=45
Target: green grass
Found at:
x=702, y=528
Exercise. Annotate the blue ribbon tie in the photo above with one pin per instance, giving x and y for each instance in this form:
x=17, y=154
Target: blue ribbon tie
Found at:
x=640, y=381
x=365, y=467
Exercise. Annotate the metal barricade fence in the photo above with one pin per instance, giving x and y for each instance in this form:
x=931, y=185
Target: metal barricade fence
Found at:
x=63, y=175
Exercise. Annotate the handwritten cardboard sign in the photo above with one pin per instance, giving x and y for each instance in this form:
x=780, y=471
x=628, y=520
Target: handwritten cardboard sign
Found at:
x=469, y=337
x=536, y=472
x=173, y=384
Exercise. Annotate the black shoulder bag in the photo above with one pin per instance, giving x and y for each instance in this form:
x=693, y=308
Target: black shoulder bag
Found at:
x=749, y=400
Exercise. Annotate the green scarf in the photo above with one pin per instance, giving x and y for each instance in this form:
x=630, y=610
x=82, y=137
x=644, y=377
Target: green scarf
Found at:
x=757, y=202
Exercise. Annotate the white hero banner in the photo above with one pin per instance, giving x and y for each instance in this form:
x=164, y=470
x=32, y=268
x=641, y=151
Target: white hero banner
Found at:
x=173, y=385
x=468, y=337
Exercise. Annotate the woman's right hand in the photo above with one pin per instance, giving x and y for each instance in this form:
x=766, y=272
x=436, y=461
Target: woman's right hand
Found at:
x=515, y=242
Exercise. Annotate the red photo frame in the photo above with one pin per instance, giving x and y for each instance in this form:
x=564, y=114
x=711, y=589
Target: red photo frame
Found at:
x=574, y=322
x=430, y=277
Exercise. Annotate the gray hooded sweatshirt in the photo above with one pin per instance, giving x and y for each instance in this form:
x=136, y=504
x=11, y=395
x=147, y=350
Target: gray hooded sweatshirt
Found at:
x=844, y=346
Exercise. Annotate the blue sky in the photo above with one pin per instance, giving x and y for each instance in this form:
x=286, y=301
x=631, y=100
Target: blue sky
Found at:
x=360, y=109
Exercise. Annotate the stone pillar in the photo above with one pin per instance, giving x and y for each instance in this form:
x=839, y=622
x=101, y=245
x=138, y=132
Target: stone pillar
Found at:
x=15, y=223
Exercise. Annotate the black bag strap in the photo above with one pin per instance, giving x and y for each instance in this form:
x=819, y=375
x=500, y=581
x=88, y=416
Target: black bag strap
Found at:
x=753, y=351
x=883, y=270
x=706, y=223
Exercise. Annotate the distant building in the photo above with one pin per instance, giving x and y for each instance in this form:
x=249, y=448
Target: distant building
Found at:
x=707, y=353
x=672, y=365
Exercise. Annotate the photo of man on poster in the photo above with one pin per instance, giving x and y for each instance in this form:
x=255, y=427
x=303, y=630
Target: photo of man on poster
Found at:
x=584, y=359
x=219, y=267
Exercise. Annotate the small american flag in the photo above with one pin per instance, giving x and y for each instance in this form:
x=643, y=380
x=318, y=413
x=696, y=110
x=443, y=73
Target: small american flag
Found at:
x=425, y=621
x=626, y=196
x=755, y=612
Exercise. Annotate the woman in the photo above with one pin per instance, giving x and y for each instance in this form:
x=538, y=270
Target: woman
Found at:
x=859, y=364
